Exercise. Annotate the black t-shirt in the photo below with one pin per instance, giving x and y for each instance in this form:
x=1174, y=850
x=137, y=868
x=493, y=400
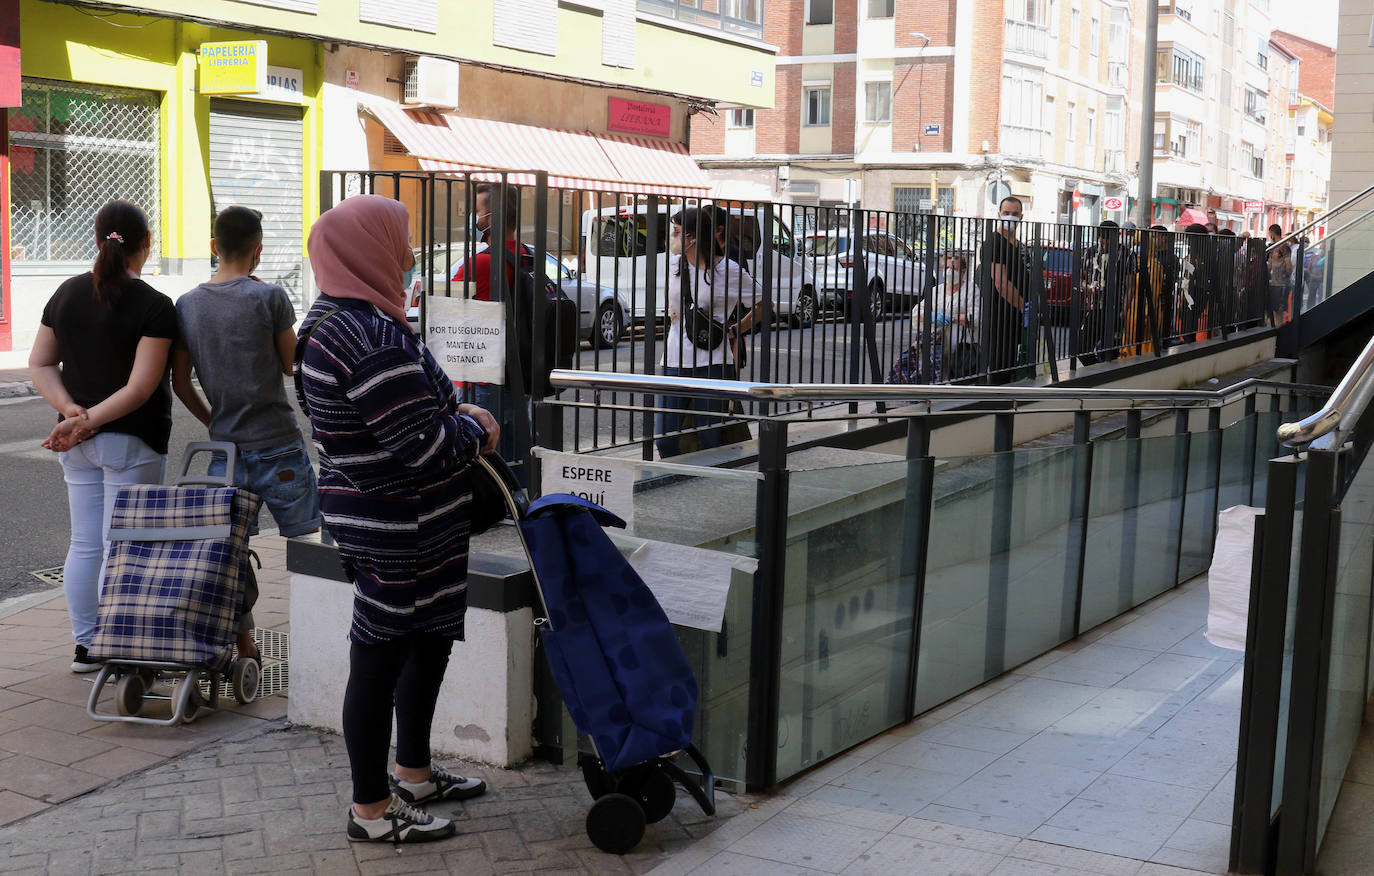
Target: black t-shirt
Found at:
x=98, y=343
x=1014, y=258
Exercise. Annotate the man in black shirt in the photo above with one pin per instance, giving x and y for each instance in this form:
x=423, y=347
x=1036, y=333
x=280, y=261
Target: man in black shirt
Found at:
x=1006, y=280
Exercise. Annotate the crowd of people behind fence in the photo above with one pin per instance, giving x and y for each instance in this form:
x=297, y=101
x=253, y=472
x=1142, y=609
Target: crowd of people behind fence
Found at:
x=1126, y=292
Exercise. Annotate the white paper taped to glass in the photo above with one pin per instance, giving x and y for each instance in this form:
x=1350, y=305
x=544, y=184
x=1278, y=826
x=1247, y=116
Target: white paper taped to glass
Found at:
x=468, y=338
x=691, y=584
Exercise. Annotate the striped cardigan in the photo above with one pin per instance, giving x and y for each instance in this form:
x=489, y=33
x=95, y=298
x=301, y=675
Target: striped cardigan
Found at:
x=394, y=482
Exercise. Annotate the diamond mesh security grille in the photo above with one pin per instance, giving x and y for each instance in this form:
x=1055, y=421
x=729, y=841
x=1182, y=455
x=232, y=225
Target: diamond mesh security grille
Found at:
x=73, y=148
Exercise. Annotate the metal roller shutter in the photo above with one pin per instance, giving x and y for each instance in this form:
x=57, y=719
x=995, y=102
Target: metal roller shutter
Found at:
x=256, y=161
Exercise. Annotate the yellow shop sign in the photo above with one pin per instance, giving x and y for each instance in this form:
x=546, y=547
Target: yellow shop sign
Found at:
x=234, y=67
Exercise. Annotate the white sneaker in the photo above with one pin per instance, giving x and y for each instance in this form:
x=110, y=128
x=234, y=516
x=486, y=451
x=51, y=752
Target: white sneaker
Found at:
x=401, y=823
x=442, y=785
x=82, y=662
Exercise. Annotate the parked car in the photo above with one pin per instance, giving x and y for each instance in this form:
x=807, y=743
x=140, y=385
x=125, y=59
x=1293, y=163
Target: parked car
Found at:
x=896, y=275
x=602, y=312
x=616, y=250
x=1058, y=271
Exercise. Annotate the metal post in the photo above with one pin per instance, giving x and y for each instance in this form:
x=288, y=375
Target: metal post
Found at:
x=1075, y=298
x=1146, y=203
x=650, y=322
x=765, y=353
x=1130, y=514
x=999, y=553
x=765, y=658
x=1251, y=820
x=539, y=325
x=858, y=294
x=1076, y=552
x=1311, y=664
x=1183, y=445
x=1251, y=445
x=917, y=508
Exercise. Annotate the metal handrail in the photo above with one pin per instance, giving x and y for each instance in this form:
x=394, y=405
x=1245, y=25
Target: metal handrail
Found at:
x=1292, y=235
x=1342, y=410
x=737, y=390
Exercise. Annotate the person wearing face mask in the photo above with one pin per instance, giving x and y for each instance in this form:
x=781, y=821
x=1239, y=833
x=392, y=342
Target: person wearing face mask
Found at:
x=1006, y=276
x=951, y=330
x=396, y=455
x=241, y=374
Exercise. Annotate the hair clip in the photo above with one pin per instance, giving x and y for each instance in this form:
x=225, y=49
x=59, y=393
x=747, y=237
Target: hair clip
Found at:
x=115, y=235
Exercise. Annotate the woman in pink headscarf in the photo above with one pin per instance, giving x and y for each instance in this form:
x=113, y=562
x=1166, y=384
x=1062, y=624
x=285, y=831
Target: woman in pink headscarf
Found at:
x=395, y=450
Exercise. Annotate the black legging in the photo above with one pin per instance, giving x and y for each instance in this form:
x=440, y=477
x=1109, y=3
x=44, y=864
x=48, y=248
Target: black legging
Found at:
x=406, y=672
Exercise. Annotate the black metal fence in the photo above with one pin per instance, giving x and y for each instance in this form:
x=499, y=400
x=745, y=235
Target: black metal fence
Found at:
x=828, y=295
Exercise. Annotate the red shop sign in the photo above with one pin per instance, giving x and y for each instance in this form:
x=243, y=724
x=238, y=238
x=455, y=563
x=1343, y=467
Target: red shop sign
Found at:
x=638, y=117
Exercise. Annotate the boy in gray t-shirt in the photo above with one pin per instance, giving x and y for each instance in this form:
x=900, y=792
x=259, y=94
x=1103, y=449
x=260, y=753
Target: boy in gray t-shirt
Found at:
x=238, y=334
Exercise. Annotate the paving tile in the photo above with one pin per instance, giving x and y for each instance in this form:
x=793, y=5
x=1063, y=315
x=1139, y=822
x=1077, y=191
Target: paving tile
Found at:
x=956, y=835
x=815, y=807
x=1089, y=751
x=1199, y=844
x=734, y=864
x=51, y=745
x=807, y=842
x=1087, y=860
x=1218, y=806
x=15, y=806
x=47, y=713
x=1099, y=665
x=922, y=754
x=962, y=734
x=1119, y=819
x=1144, y=795
x=1150, y=868
x=1022, y=867
x=49, y=782
x=1010, y=823
x=1177, y=673
x=904, y=854
x=1117, y=846
x=12, y=701
x=1030, y=706
x=887, y=788
x=1194, y=764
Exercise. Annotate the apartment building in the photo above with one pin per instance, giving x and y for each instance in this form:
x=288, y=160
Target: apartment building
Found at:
x=1212, y=111
x=926, y=104
x=1311, y=115
x=114, y=100
x=1277, y=208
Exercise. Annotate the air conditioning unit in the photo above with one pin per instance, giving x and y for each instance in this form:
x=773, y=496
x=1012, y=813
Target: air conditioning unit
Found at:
x=431, y=82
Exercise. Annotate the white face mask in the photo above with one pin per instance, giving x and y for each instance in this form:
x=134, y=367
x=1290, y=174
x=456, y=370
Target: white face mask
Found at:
x=952, y=276
x=1009, y=221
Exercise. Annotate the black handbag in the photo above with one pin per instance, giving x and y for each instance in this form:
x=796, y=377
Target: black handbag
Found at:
x=492, y=479
x=703, y=330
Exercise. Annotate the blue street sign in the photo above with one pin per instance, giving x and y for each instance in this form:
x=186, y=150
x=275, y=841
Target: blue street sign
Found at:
x=932, y=130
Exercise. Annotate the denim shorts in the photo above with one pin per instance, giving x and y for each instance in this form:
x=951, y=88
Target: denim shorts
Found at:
x=285, y=480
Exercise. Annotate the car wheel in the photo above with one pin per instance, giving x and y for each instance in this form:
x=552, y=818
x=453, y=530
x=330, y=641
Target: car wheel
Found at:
x=804, y=311
x=877, y=298
x=608, y=327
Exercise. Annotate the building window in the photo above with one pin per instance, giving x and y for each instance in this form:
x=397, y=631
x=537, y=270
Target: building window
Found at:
x=1256, y=102
x=878, y=101
x=1071, y=118
x=1225, y=95
x=1075, y=25
x=740, y=118
x=1092, y=127
x=1023, y=106
x=1302, y=130
x=820, y=11
x=916, y=199
x=74, y=148
x=1262, y=53
x=743, y=17
x=1095, y=35
x=817, y=106
x=1181, y=67
x=1224, y=152
x=1029, y=11
x=1228, y=28
x=880, y=8
x=1256, y=167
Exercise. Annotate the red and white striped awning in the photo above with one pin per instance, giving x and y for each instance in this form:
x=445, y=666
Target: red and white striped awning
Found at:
x=573, y=159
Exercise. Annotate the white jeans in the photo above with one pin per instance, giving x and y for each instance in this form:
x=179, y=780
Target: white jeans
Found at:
x=94, y=470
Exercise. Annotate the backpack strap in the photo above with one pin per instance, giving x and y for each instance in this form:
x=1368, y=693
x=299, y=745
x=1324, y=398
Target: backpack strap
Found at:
x=300, y=356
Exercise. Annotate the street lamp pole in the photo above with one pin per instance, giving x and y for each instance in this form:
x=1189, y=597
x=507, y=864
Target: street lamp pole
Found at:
x=1146, y=202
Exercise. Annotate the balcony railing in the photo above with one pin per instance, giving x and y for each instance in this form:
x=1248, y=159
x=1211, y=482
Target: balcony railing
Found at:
x=1118, y=73
x=744, y=17
x=1026, y=38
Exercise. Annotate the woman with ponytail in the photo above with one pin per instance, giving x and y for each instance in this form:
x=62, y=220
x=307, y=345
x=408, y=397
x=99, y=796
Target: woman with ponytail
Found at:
x=110, y=333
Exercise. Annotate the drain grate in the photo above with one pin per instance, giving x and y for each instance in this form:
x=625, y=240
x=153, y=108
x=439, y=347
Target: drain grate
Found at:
x=51, y=577
x=276, y=649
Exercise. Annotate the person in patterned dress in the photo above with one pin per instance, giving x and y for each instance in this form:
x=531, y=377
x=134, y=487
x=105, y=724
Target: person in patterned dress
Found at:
x=395, y=450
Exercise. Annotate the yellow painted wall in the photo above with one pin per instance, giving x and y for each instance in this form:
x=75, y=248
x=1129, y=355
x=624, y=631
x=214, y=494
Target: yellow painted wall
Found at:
x=667, y=58
x=62, y=43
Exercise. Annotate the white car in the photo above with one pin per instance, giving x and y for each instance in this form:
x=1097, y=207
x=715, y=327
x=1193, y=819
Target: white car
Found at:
x=615, y=251
x=601, y=312
x=896, y=274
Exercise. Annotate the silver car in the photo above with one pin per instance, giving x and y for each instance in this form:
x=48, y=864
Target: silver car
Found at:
x=601, y=311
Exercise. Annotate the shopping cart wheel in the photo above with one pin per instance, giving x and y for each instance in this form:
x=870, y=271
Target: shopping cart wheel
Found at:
x=129, y=691
x=195, y=700
x=656, y=795
x=247, y=677
x=615, y=823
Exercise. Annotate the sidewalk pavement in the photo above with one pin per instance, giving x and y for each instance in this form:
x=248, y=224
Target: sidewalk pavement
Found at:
x=240, y=791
